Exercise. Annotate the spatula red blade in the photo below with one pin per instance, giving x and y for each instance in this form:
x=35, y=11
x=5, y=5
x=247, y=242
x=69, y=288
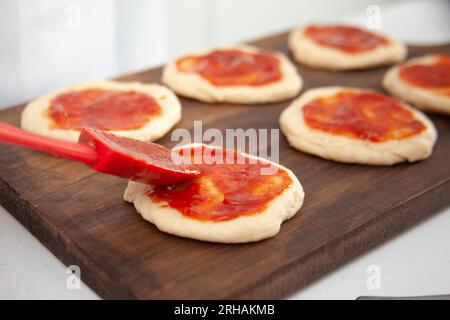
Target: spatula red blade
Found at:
x=108, y=153
x=135, y=160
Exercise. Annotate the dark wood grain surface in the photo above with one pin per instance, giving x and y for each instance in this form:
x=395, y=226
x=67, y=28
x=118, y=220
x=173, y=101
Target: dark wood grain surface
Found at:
x=81, y=217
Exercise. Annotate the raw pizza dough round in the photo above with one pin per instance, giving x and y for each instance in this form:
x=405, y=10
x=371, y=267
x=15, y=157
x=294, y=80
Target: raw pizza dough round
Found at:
x=306, y=51
x=194, y=86
x=34, y=116
x=350, y=150
x=245, y=228
x=425, y=99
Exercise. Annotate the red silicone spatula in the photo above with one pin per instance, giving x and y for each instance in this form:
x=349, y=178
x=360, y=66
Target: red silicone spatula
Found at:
x=108, y=153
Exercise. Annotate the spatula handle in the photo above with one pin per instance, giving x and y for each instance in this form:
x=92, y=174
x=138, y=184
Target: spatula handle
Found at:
x=65, y=149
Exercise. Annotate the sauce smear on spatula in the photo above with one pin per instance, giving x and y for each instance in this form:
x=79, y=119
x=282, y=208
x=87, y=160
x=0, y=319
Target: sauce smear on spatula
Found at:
x=108, y=153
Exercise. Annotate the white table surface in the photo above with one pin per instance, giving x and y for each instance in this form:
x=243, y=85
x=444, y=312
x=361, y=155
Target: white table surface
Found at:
x=416, y=262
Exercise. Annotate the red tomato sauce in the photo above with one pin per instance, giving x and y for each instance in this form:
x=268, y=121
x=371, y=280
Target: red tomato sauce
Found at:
x=435, y=76
x=348, y=39
x=224, y=191
x=102, y=109
x=365, y=115
x=233, y=68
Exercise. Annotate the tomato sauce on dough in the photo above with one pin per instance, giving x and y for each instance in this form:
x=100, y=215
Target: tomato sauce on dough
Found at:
x=233, y=67
x=348, y=39
x=434, y=76
x=362, y=115
x=226, y=189
x=102, y=109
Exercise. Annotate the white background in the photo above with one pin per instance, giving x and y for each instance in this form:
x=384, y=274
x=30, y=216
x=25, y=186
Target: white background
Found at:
x=51, y=43
x=47, y=44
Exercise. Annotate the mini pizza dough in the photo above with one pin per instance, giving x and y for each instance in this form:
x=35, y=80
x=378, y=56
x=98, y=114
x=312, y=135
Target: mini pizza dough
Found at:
x=348, y=149
x=35, y=118
x=310, y=53
x=423, y=98
x=193, y=85
x=241, y=229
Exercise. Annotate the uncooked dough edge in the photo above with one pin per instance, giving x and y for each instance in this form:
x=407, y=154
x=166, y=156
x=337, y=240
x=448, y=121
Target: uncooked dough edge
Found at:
x=307, y=52
x=421, y=98
x=243, y=229
x=194, y=86
x=348, y=150
x=34, y=116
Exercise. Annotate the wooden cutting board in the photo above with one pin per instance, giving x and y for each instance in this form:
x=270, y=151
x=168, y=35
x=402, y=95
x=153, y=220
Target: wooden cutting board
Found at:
x=81, y=217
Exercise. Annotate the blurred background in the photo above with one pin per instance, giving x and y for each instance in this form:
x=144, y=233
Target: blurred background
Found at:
x=47, y=44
